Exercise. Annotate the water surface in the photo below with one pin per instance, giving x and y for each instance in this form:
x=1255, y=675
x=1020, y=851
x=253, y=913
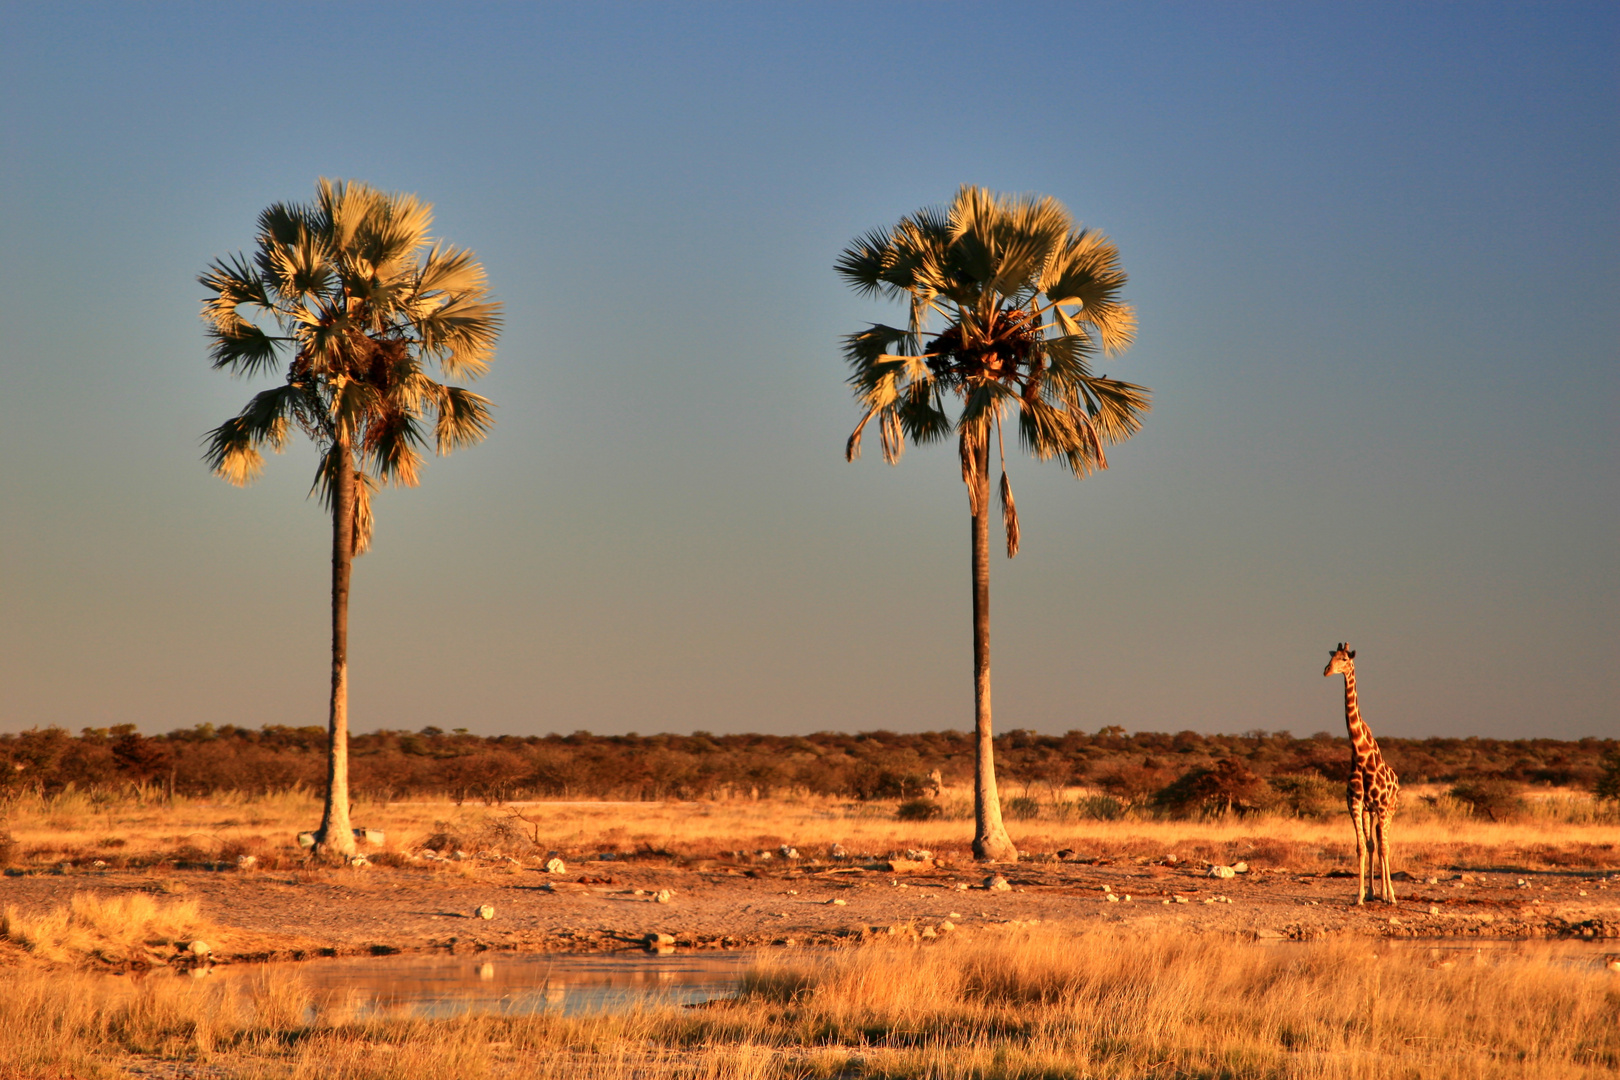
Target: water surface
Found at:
x=436, y=985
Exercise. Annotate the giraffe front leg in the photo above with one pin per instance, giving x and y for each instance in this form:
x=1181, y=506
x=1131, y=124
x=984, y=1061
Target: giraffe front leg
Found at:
x=1361, y=855
x=1386, y=882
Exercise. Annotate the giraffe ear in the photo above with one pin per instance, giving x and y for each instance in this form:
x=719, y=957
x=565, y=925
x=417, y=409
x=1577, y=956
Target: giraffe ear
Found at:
x=1352, y=654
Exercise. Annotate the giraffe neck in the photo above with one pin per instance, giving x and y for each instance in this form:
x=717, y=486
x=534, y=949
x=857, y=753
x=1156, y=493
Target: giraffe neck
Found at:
x=1362, y=744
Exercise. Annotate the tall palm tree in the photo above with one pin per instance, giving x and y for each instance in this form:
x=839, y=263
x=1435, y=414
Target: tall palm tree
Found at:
x=353, y=292
x=1023, y=301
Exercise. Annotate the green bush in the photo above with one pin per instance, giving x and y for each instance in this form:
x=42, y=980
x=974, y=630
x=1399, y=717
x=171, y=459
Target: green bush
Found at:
x=1021, y=808
x=918, y=810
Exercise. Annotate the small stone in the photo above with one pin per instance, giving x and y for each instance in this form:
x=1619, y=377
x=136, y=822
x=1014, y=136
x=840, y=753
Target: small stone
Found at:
x=948, y=927
x=458, y=855
x=556, y=866
x=199, y=948
x=961, y=886
x=359, y=862
x=1614, y=965
x=306, y=839
x=1107, y=888
x=929, y=932
x=788, y=852
x=1181, y=900
x=1240, y=867
x=656, y=939
x=1222, y=872
x=997, y=883
x=838, y=903
x=1434, y=909
x=1111, y=898
x=485, y=911
x=98, y=865
x=1126, y=898
x=918, y=855
x=838, y=852
x=1394, y=921
x=1431, y=881
x=246, y=862
x=663, y=896
x=370, y=836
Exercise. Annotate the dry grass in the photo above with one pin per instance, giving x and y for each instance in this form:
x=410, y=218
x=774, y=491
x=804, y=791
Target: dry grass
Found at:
x=1560, y=829
x=1035, y=1003
x=111, y=928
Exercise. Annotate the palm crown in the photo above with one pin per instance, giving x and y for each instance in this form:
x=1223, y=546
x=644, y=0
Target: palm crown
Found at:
x=360, y=296
x=1026, y=300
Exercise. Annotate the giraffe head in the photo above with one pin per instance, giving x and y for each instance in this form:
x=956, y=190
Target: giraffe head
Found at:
x=1344, y=659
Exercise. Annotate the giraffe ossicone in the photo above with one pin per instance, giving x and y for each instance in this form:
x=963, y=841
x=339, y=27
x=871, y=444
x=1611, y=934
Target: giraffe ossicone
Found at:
x=1373, y=788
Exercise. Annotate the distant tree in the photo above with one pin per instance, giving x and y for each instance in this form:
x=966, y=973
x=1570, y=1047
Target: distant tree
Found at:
x=353, y=294
x=1607, y=787
x=1022, y=301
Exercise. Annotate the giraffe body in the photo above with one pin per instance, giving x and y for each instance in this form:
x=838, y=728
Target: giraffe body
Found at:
x=1372, y=791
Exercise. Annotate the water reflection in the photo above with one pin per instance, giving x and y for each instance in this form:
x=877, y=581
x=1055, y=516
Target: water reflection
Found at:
x=439, y=985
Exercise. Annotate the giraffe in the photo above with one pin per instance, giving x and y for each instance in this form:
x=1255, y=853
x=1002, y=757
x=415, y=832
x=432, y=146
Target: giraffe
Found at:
x=1373, y=787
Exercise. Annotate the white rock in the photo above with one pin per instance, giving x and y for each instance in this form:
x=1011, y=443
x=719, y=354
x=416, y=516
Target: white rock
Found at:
x=485, y=911
x=246, y=862
x=1240, y=867
x=838, y=903
x=306, y=839
x=839, y=852
x=359, y=862
x=556, y=866
x=997, y=883
x=1222, y=872
x=1111, y=898
x=199, y=948
x=98, y=865
x=788, y=852
x=663, y=896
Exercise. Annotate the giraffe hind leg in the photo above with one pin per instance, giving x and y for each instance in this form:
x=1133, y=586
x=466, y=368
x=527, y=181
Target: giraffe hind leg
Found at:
x=1386, y=882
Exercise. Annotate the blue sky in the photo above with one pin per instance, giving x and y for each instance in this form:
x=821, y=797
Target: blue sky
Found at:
x=1373, y=250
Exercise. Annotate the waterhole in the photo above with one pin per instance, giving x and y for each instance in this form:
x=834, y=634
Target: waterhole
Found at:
x=436, y=986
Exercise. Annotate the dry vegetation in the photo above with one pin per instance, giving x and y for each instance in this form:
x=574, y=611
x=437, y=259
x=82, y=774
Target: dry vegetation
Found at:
x=1020, y=1003
x=1557, y=829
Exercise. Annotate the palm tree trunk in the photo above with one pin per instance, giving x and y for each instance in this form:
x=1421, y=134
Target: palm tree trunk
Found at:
x=336, y=835
x=990, y=840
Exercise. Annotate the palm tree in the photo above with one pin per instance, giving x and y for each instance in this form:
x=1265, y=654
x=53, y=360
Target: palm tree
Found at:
x=1024, y=301
x=356, y=296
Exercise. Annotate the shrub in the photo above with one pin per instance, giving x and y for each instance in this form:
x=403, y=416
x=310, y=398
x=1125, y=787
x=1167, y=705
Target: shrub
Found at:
x=1607, y=787
x=1021, y=808
x=1228, y=785
x=1308, y=795
x=918, y=810
x=1490, y=797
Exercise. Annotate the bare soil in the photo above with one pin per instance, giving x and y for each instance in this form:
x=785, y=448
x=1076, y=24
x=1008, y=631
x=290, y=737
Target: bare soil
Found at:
x=614, y=905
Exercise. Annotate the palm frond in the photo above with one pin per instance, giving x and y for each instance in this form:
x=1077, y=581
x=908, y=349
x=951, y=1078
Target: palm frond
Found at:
x=364, y=487
x=232, y=449
x=464, y=419
x=1009, y=515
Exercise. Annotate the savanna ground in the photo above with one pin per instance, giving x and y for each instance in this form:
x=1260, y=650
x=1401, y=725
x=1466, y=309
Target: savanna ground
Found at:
x=883, y=961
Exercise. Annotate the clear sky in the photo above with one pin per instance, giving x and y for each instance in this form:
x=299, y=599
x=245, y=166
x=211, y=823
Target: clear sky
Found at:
x=1375, y=251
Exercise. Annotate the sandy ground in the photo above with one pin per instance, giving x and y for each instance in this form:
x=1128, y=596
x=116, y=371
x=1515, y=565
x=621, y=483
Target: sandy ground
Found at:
x=613, y=905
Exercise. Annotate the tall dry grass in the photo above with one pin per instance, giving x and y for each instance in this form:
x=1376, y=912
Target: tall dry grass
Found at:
x=1035, y=1003
x=113, y=928
x=1557, y=829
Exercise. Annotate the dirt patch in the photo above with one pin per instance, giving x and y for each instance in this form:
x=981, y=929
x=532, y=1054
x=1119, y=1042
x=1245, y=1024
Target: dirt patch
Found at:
x=616, y=905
